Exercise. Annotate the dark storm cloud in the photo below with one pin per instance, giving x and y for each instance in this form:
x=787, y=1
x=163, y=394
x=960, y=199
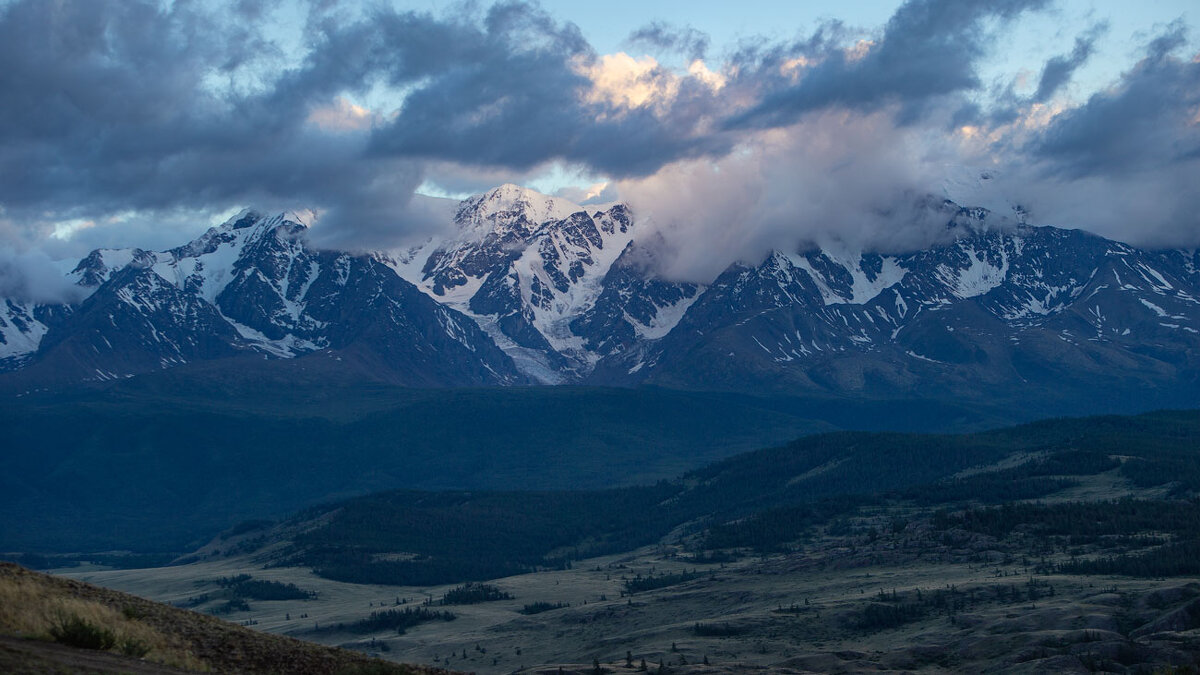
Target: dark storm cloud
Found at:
x=1058, y=70
x=929, y=48
x=1148, y=121
x=115, y=105
x=112, y=106
x=662, y=36
x=512, y=97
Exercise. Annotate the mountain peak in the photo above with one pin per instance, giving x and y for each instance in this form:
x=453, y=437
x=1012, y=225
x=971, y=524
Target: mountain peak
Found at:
x=305, y=217
x=508, y=202
x=243, y=219
x=537, y=288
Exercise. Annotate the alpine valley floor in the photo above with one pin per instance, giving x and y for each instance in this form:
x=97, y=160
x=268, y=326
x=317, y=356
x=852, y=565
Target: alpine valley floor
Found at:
x=887, y=586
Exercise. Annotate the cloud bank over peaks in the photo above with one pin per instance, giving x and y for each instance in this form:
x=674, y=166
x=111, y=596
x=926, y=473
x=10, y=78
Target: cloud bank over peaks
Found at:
x=837, y=179
x=161, y=110
x=31, y=276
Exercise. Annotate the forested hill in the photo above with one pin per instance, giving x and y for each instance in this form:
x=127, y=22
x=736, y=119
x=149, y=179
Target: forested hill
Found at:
x=760, y=499
x=168, y=460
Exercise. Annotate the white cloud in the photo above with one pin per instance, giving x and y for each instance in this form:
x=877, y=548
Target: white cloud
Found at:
x=622, y=81
x=837, y=179
x=625, y=82
x=342, y=116
x=31, y=276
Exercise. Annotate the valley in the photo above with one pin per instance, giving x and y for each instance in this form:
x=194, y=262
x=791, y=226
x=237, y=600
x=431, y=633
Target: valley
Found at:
x=1063, y=545
x=830, y=606
x=186, y=452
x=359, y=337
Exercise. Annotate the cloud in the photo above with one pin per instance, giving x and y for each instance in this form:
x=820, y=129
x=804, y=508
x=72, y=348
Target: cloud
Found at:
x=31, y=276
x=838, y=179
x=1125, y=163
x=342, y=116
x=529, y=90
x=135, y=106
x=603, y=192
x=388, y=214
x=141, y=116
x=668, y=38
x=928, y=49
x=112, y=106
x=1058, y=70
x=1144, y=122
x=622, y=81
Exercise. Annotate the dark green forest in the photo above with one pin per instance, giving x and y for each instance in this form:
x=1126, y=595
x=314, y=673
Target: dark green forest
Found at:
x=766, y=500
x=164, y=462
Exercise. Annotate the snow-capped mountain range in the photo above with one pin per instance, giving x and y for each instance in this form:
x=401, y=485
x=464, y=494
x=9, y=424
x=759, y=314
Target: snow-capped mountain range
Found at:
x=535, y=289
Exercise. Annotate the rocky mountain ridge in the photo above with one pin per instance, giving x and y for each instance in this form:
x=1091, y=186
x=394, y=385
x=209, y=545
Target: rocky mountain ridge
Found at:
x=534, y=289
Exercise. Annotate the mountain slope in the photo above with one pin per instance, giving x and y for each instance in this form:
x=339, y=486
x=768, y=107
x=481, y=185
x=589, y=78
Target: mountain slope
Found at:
x=161, y=460
x=255, y=286
x=476, y=535
x=992, y=313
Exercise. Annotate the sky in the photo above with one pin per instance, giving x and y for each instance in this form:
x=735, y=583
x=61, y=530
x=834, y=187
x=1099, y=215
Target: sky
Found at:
x=729, y=128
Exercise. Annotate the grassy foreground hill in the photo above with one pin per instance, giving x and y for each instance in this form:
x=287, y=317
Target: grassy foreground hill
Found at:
x=55, y=625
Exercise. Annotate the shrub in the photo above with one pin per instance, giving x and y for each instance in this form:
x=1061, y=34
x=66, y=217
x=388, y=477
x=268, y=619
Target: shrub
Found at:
x=134, y=647
x=472, y=594
x=398, y=620
x=132, y=613
x=260, y=589
x=539, y=607
x=78, y=632
x=717, y=630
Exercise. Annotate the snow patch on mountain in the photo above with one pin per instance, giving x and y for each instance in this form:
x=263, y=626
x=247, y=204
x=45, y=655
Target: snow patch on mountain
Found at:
x=20, y=331
x=980, y=275
x=553, y=258
x=860, y=282
x=533, y=363
x=665, y=320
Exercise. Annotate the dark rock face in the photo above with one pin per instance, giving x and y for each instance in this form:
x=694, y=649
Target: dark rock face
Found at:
x=632, y=299
x=136, y=322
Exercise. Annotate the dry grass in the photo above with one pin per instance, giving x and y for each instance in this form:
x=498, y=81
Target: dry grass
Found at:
x=31, y=608
x=799, y=611
x=32, y=605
